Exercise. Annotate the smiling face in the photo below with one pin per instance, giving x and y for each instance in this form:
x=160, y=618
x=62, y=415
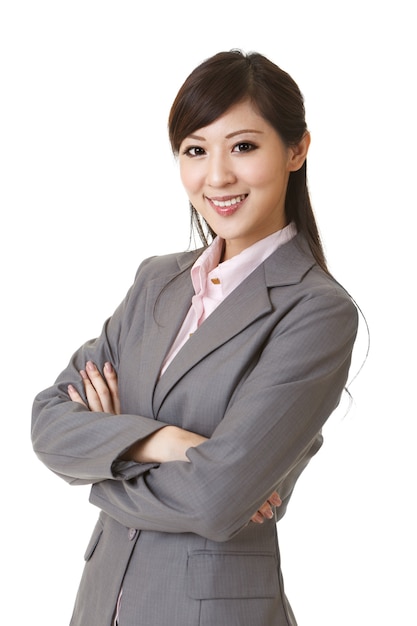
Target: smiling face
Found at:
x=235, y=172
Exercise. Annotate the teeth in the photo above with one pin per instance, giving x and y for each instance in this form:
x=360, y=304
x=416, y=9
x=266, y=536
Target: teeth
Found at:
x=229, y=202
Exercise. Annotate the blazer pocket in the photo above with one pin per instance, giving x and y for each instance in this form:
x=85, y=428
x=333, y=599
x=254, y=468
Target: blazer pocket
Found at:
x=95, y=538
x=215, y=575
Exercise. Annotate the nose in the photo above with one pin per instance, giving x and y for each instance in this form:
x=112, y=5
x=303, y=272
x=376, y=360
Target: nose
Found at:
x=219, y=171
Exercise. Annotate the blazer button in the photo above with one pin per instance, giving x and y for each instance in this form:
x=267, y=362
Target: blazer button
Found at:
x=132, y=533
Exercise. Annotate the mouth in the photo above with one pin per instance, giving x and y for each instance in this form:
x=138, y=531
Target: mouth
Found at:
x=228, y=201
x=226, y=205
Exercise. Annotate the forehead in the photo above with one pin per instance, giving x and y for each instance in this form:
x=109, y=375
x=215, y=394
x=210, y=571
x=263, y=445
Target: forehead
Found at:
x=240, y=117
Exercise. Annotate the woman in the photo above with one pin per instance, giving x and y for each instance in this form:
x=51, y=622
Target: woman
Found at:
x=204, y=397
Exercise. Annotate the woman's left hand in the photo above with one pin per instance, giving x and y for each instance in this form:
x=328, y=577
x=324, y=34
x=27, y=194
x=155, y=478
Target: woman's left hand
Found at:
x=266, y=511
x=102, y=393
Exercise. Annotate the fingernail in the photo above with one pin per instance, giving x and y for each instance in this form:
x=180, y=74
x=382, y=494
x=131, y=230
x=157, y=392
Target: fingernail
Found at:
x=83, y=374
x=70, y=389
x=90, y=366
x=108, y=367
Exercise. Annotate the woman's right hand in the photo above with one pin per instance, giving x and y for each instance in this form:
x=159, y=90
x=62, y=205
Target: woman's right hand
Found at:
x=102, y=393
x=167, y=444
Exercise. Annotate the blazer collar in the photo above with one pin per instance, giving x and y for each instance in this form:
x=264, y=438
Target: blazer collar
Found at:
x=289, y=263
x=286, y=266
x=249, y=301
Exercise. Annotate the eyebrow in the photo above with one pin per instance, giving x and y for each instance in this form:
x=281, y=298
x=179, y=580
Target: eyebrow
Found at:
x=230, y=135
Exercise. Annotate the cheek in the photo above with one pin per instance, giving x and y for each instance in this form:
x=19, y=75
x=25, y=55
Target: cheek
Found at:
x=183, y=176
x=189, y=178
x=261, y=172
x=268, y=176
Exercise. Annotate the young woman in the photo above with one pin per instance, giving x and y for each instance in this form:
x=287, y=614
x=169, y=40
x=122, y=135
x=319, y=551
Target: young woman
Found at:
x=196, y=410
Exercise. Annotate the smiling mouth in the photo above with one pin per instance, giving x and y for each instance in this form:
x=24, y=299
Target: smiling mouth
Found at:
x=228, y=202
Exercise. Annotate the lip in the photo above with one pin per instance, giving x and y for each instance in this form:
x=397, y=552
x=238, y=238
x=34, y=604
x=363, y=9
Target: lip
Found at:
x=230, y=203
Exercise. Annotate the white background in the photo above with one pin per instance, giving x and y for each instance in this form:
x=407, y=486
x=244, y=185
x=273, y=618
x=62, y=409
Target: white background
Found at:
x=89, y=188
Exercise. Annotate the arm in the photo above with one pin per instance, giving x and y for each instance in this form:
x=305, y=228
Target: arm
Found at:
x=81, y=446
x=168, y=444
x=263, y=442
x=102, y=395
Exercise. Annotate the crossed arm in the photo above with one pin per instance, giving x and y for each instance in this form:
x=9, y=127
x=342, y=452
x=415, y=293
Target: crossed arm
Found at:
x=167, y=444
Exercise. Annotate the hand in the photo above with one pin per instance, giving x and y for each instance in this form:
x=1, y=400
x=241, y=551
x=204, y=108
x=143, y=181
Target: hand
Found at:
x=102, y=393
x=266, y=510
x=169, y=443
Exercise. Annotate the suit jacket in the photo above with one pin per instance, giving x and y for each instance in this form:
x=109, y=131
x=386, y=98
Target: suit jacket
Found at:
x=259, y=378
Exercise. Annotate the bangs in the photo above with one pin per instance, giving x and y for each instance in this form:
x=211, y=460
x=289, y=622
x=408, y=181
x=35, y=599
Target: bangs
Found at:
x=206, y=95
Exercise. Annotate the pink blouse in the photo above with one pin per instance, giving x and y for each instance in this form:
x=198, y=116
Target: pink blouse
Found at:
x=214, y=281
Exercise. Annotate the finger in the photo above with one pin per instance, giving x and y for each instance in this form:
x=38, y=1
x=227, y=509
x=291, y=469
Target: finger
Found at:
x=111, y=378
x=274, y=499
x=93, y=398
x=101, y=388
x=266, y=510
x=258, y=518
x=75, y=396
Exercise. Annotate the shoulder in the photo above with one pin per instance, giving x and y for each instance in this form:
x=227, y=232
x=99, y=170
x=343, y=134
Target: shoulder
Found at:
x=294, y=264
x=292, y=269
x=323, y=295
x=166, y=265
x=153, y=275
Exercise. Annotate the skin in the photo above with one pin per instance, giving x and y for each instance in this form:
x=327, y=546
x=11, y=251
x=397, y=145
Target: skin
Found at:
x=235, y=172
x=239, y=159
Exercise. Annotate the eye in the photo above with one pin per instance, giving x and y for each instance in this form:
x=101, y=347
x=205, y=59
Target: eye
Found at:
x=244, y=146
x=194, y=151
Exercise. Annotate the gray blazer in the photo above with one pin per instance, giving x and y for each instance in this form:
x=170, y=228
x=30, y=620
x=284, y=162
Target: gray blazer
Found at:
x=259, y=377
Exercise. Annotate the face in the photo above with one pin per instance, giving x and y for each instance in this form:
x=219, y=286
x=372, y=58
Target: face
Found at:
x=235, y=172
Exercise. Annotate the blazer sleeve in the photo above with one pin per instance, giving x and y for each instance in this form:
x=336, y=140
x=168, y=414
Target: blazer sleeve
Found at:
x=267, y=433
x=79, y=445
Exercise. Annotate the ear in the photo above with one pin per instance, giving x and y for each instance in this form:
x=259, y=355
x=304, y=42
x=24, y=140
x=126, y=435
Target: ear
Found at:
x=298, y=153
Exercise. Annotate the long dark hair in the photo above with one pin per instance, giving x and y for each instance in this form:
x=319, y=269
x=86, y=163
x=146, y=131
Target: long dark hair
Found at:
x=231, y=77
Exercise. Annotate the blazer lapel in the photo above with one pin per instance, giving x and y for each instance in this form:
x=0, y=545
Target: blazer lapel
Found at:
x=247, y=303
x=167, y=302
